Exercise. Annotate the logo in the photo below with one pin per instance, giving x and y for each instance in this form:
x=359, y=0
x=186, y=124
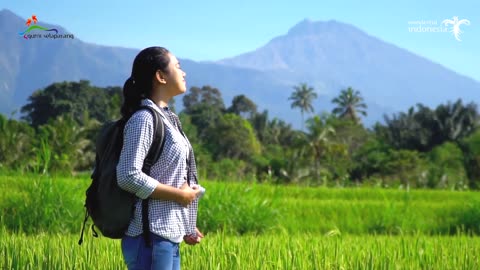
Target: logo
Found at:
x=456, y=26
x=33, y=31
x=432, y=26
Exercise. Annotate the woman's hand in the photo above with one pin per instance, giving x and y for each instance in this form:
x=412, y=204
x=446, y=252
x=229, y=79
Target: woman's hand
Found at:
x=183, y=195
x=188, y=195
x=194, y=238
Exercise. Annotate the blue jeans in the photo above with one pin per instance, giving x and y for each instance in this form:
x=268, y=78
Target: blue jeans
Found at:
x=163, y=255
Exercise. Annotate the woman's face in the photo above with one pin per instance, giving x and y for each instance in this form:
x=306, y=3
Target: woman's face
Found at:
x=175, y=78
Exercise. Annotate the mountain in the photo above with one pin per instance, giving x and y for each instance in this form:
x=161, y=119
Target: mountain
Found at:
x=333, y=55
x=327, y=55
x=28, y=65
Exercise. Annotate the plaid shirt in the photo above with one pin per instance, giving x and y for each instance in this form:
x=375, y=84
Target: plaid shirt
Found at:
x=168, y=219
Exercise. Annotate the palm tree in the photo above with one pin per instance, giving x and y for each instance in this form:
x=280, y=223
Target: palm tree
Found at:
x=424, y=128
x=349, y=104
x=15, y=142
x=302, y=98
x=318, y=139
x=455, y=120
x=64, y=144
x=259, y=123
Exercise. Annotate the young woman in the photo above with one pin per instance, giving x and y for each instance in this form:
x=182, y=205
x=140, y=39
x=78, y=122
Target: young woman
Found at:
x=172, y=208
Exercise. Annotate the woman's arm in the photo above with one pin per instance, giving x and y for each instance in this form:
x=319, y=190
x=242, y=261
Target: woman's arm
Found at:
x=184, y=196
x=138, y=136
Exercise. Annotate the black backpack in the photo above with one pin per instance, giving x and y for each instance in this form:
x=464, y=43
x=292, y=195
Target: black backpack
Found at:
x=110, y=207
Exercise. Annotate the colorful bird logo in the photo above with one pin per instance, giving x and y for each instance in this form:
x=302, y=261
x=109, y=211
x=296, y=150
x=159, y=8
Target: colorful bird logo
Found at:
x=29, y=20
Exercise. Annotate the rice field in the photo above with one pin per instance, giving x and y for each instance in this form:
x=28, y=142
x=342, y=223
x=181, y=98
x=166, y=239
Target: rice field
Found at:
x=267, y=251
x=255, y=226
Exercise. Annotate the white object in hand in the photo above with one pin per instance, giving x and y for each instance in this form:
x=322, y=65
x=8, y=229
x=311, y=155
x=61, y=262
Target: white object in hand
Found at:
x=202, y=190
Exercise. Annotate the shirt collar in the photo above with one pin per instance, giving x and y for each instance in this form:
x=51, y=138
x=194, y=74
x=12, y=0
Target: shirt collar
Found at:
x=148, y=102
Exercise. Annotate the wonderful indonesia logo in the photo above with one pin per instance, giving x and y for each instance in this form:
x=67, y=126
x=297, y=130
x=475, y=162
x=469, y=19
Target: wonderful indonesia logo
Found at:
x=35, y=31
x=433, y=26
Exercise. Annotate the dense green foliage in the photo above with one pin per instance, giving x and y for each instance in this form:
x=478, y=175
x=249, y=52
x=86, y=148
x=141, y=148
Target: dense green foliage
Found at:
x=428, y=148
x=74, y=99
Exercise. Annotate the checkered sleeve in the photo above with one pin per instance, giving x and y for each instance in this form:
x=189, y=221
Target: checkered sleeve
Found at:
x=138, y=136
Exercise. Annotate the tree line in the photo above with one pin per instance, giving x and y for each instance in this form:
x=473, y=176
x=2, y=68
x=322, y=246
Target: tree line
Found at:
x=423, y=147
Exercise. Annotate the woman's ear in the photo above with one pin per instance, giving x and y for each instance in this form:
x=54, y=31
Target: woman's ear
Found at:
x=160, y=77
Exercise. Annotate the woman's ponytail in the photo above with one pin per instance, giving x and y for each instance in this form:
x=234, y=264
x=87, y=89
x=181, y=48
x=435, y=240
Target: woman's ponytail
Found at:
x=132, y=98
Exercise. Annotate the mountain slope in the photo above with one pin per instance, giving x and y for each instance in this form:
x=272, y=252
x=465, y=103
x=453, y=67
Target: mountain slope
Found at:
x=332, y=55
x=28, y=65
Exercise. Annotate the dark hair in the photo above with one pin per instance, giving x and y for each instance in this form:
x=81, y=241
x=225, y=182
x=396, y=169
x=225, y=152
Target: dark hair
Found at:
x=139, y=85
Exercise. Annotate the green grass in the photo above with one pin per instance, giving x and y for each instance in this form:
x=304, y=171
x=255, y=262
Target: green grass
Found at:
x=268, y=251
x=255, y=226
x=34, y=204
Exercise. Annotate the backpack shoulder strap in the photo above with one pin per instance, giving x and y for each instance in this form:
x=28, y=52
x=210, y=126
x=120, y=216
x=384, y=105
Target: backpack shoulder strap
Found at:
x=158, y=140
x=152, y=156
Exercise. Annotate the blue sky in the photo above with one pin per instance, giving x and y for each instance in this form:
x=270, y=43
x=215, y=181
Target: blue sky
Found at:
x=212, y=30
